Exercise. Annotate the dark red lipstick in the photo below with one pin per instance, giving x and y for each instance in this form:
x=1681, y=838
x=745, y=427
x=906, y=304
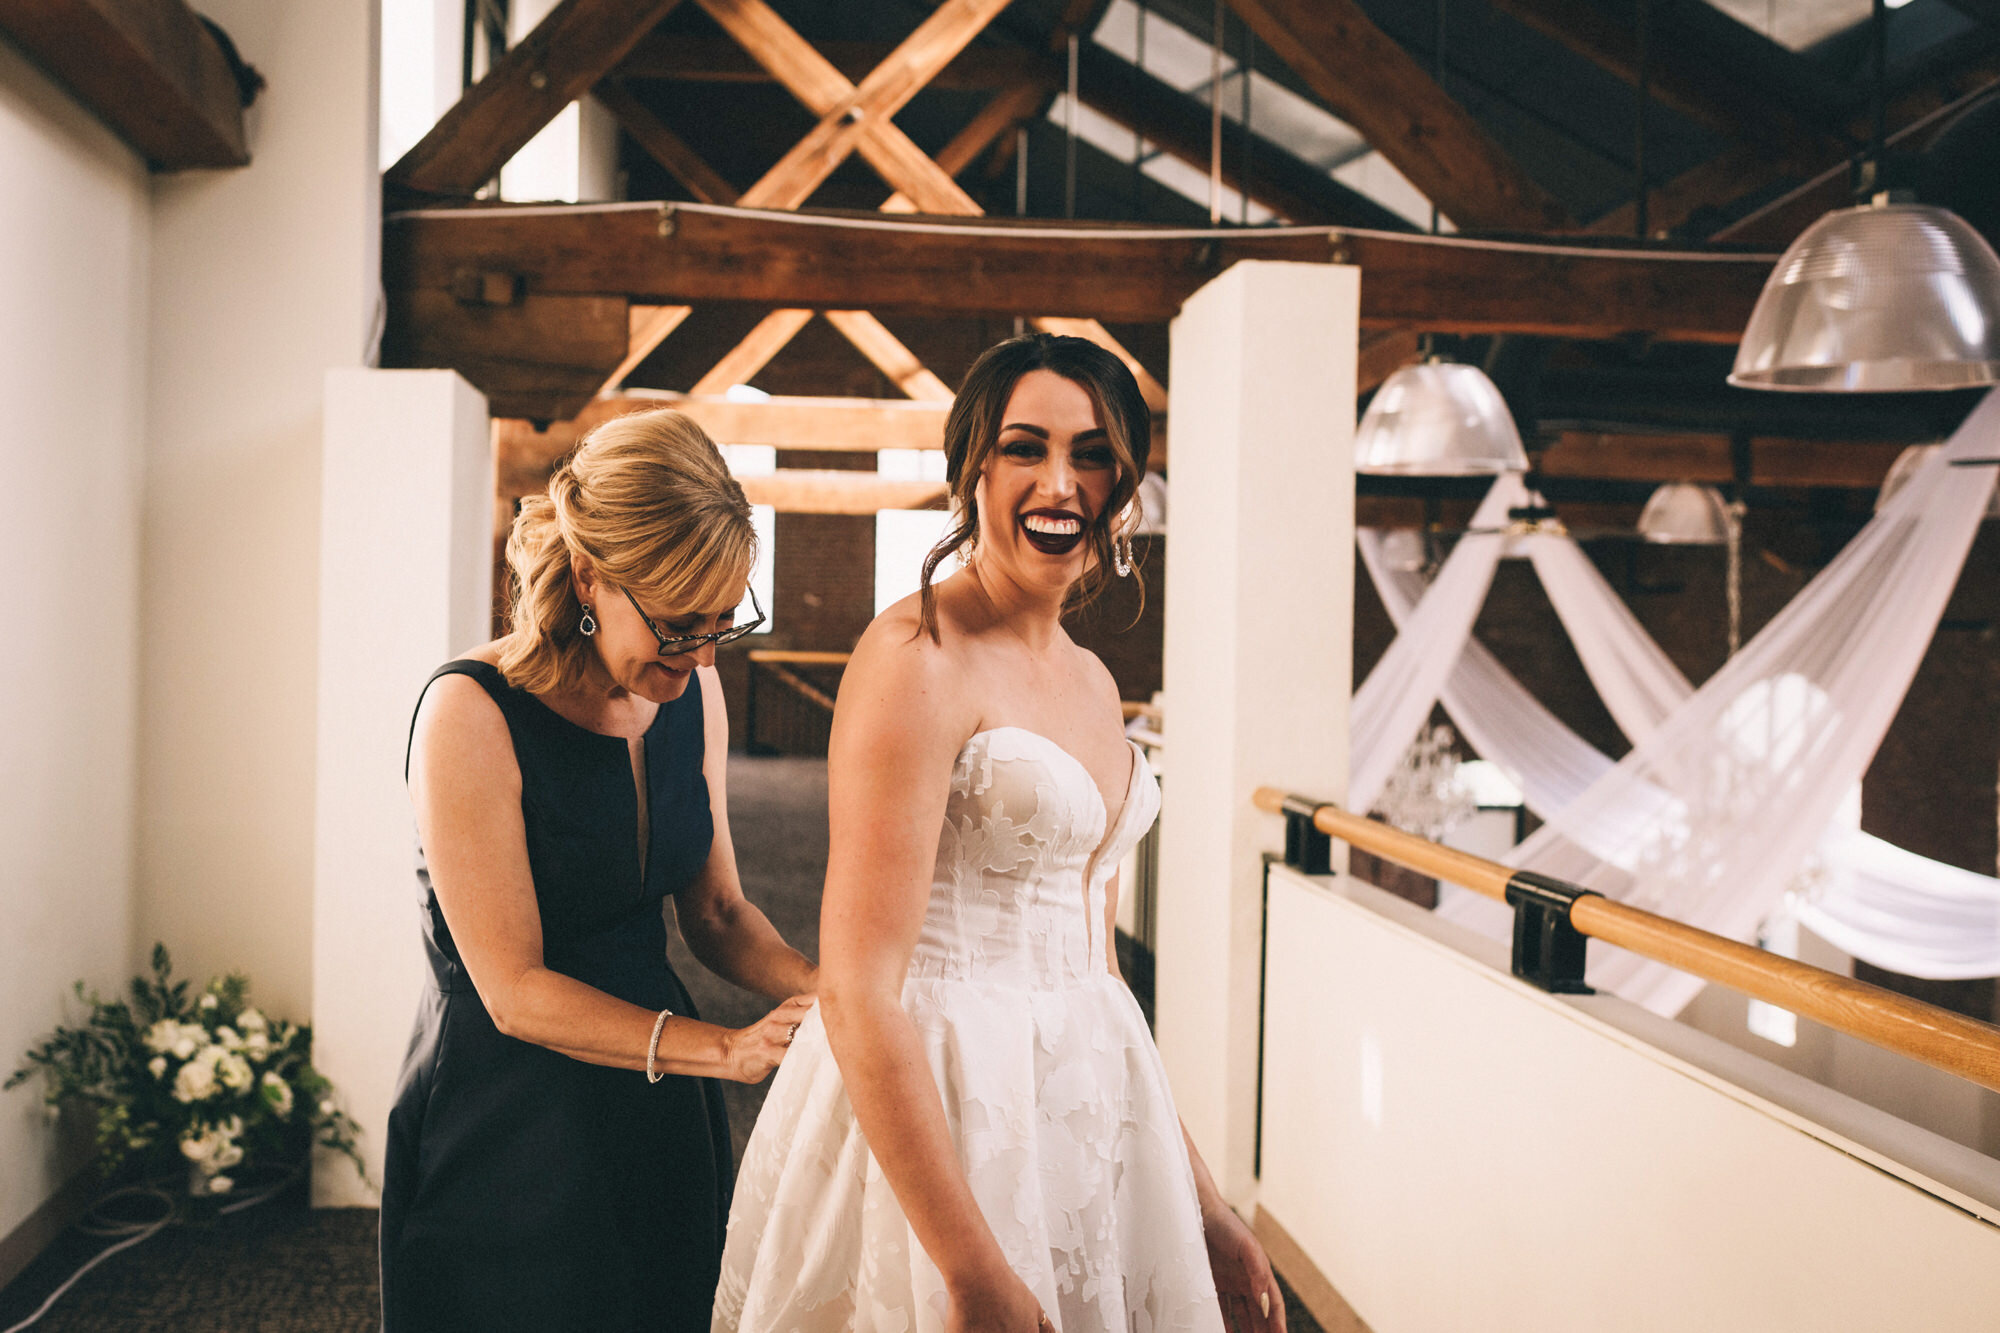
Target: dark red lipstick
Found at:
x=1068, y=529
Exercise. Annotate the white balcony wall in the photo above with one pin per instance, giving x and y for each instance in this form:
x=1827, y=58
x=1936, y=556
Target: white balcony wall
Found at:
x=1456, y=1150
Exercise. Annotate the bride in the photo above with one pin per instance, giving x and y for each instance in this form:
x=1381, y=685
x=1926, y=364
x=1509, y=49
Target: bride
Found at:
x=973, y=1130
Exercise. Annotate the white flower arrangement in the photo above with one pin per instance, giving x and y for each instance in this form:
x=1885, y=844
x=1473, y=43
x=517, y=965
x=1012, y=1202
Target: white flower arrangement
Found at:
x=209, y=1080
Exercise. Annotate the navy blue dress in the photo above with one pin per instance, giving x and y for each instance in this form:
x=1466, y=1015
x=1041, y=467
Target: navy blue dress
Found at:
x=524, y=1189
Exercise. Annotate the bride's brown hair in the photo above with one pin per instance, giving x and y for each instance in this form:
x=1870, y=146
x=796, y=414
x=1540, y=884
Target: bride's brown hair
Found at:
x=973, y=427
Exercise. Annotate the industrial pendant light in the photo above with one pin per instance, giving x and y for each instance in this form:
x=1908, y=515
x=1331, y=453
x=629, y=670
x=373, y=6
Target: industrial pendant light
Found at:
x=1889, y=295
x=1438, y=419
x=1685, y=513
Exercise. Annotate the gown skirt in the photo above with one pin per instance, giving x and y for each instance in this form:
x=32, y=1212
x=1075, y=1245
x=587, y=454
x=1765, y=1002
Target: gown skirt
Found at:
x=1051, y=1087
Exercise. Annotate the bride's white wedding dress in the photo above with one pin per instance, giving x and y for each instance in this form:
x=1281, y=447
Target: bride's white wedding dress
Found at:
x=1051, y=1085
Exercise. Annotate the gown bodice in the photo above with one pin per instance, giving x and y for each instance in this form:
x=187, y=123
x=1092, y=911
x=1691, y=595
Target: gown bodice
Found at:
x=1024, y=858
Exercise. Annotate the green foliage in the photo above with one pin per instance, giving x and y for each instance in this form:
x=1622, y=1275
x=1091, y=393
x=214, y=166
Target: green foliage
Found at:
x=174, y=1080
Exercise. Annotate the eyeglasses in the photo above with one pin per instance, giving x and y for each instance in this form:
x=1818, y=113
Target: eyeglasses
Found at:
x=676, y=645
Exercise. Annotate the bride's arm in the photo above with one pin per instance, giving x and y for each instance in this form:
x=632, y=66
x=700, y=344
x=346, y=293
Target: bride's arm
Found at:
x=1236, y=1260
x=896, y=734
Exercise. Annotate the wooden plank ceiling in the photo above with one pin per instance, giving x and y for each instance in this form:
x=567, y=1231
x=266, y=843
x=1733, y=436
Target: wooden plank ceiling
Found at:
x=553, y=311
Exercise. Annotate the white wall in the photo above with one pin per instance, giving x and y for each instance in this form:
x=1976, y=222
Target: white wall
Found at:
x=263, y=279
x=406, y=580
x=1259, y=613
x=73, y=283
x=1456, y=1150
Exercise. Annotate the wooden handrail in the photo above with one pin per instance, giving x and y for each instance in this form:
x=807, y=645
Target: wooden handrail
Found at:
x=1938, y=1037
x=798, y=657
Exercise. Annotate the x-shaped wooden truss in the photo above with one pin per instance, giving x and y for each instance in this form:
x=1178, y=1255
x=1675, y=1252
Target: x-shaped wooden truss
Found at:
x=852, y=118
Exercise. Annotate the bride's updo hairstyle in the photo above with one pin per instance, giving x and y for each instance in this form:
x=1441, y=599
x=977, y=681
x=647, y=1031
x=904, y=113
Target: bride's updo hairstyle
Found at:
x=973, y=428
x=647, y=500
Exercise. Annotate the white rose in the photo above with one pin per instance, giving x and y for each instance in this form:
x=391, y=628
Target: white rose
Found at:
x=258, y=1046
x=157, y=1066
x=187, y=1040
x=220, y=1184
x=252, y=1021
x=234, y=1071
x=197, y=1148
x=227, y=1154
x=278, y=1094
x=196, y=1080
x=228, y=1038
x=160, y=1037
x=209, y=1001
x=327, y=1107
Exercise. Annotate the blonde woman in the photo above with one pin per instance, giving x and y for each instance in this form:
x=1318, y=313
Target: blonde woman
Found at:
x=557, y=1155
x=979, y=1137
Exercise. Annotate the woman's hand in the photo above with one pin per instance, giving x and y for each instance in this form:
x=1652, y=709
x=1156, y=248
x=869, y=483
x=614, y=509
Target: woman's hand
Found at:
x=1005, y=1305
x=753, y=1052
x=1251, y=1301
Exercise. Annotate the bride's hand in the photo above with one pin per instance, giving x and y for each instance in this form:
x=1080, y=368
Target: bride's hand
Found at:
x=1251, y=1301
x=756, y=1050
x=1007, y=1306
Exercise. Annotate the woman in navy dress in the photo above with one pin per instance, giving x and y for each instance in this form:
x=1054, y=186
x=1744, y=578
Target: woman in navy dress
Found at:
x=557, y=1155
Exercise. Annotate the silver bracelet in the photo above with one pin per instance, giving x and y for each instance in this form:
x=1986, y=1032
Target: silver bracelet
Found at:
x=653, y=1047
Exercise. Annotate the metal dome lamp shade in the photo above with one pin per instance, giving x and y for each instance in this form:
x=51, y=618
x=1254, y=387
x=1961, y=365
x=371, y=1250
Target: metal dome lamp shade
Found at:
x=1683, y=513
x=1438, y=419
x=1886, y=296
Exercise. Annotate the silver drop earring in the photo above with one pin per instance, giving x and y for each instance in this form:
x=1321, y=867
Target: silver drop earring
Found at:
x=588, y=625
x=1121, y=554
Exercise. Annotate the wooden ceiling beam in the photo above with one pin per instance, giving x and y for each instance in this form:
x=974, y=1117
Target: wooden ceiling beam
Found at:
x=1775, y=461
x=149, y=69
x=568, y=53
x=526, y=454
x=812, y=491
x=704, y=59
x=665, y=253
x=1370, y=82
x=671, y=151
x=1742, y=170
x=1180, y=127
x=1681, y=75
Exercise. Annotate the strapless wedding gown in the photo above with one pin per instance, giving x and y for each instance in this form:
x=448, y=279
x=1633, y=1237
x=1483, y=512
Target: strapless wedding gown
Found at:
x=1052, y=1088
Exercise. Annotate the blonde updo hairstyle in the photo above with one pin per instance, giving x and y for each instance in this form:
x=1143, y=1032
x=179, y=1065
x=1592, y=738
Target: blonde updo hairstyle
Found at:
x=648, y=502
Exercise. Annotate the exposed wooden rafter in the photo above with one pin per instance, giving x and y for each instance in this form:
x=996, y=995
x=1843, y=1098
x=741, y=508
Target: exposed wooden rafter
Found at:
x=703, y=59
x=1681, y=74
x=568, y=53
x=1744, y=170
x=1374, y=85
x=668, y=254
x=1179, y=126
x=663, y=145
x=151, y=70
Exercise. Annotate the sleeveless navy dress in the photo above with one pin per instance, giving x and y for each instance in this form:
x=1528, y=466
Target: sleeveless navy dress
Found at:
x=525, y=1190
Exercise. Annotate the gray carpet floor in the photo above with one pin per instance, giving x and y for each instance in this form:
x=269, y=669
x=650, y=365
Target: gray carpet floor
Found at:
x=283, y=1268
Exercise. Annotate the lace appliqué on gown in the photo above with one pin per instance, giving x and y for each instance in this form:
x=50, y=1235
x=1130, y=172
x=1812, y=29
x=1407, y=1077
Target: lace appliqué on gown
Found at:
x=1051, y=1085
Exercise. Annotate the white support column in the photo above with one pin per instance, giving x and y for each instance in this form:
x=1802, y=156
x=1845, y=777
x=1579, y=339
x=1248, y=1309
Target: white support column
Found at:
x=1260, y=582
x=405, y=583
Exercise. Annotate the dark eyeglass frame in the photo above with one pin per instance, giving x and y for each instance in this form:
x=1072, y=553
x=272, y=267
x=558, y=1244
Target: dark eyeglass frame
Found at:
x=678, y=645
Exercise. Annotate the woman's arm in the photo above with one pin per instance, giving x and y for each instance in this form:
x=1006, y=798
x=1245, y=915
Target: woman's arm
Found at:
x=896, y=734
x=466, y=786
x=727, y=932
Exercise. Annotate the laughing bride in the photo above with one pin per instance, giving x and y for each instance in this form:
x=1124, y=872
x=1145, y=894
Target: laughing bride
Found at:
x=973, y=1130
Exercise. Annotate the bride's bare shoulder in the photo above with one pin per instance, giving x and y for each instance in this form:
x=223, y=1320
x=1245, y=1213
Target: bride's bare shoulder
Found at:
x=897, y=663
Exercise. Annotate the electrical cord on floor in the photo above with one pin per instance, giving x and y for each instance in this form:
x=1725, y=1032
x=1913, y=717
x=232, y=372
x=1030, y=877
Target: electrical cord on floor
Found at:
x=102, y=1221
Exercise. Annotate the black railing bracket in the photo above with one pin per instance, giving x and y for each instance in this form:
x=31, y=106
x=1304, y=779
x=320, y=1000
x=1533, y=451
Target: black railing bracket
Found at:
x=1548, y=950
x=1307, y=850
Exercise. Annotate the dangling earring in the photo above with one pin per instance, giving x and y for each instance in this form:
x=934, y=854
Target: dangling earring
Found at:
x=588, y=625
x=1121, y=554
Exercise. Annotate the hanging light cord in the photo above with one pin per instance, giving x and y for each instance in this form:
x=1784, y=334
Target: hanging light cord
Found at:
x=1645, y=37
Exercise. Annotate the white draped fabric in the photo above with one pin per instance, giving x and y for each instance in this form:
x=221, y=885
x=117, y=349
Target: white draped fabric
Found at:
x=1733, y=793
